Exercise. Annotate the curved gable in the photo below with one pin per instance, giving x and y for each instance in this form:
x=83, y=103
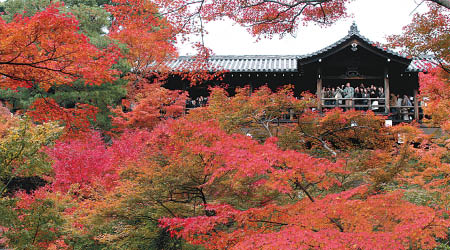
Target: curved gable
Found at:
x=354, y=38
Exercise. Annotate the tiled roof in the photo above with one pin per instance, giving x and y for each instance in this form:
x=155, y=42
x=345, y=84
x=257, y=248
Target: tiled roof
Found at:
x=279, y=63
x=276, y=63
x=244, y=63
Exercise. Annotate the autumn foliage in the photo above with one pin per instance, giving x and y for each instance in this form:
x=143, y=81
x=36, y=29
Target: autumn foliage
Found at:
x=283, y=207
x=47, y=49
x=427, y=35
x=76, y=120
x=148, y=36
x=435, y=90
x=82, y=164
x=261, y=17
x=228, y=175
x=147, y=106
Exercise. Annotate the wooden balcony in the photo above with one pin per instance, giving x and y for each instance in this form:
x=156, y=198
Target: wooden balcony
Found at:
x=378, y=106
x=397, y=114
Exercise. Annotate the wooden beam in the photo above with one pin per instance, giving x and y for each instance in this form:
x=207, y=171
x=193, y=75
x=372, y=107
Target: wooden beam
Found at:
x=344, y=77
x=416, y=105
x=319, y=88
x=387, y=91
x=319, y=94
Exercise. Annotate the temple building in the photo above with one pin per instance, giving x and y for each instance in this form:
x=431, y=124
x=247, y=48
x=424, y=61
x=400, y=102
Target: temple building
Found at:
x=353, y=59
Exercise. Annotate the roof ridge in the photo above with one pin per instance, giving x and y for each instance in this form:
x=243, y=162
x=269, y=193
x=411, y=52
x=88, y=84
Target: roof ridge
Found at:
x=245, y=56
x=353, y=31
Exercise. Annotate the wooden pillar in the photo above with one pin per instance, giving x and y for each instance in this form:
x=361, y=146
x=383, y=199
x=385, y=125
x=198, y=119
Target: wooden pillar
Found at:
x=319, y=88
x=386, y=90
x=416, y=105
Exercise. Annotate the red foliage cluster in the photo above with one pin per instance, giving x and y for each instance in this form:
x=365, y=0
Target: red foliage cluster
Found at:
x=148, y=36
x=86, y=163
x=262, y=17
x=435, y=92
x=261, y=173
x=199, y=69
x=47, y=49
x=254, y=194
x=150, y=105
x=76, y=120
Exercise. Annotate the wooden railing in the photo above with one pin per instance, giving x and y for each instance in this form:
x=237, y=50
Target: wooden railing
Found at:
x=397, y=113
x=377, y=105
x=356, y=103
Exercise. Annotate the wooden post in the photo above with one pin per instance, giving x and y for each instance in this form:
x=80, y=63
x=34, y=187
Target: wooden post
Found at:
x=319, y=94
x=416, y=105
x=319, y=88
x=387, y=97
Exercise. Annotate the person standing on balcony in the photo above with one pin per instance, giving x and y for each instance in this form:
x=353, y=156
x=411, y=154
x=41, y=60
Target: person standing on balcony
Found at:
x=393, y=103
x=381, y=101
x=349, y=92
x=333, y=95
x=406, y=103
x=365, y=102
x=338, y=96
x=358, y=94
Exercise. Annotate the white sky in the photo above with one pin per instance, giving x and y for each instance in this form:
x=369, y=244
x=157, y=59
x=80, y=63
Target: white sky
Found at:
x=375, y=19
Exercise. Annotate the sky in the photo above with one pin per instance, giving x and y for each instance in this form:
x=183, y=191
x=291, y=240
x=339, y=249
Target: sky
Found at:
x=376, y=19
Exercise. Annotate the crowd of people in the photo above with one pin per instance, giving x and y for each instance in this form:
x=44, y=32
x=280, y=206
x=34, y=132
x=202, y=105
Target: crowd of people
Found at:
x=401, y=106
x=364, y=98
x=348, y=92
x=348, y=97
x=196, y=102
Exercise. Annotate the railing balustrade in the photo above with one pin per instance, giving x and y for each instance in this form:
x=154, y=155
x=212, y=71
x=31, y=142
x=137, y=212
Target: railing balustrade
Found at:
x=377, y=105
x=356, y=103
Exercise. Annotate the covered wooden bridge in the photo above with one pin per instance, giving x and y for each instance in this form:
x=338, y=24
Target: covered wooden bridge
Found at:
x=353, y=59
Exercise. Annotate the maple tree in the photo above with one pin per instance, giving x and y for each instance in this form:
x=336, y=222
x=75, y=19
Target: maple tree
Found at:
x=248, y=110
x=147, y=35
x=171, y=186
x=337, y=181
x=81, y=165
x=302, y=218
x=148, y=39
x=91, y=15
x=257, y=196
x=32, y=221
x=261, y=17
x=92, y=20
x=23, y=165
x=228, y=190
x=337, y=131
x=75, y=121
x=126, y=215
x=427, y=35
x=435, y=90
x=49, y=51
x=150, y=105
x=21, y=142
